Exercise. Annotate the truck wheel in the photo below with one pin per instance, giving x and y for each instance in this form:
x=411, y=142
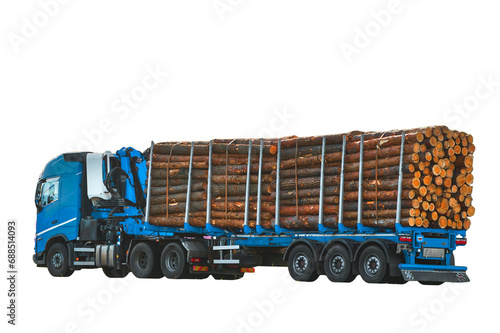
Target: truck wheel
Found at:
x=144, y=261
x=173, y=261
x=301, y=264
x=58, y=260
x=372, y=265
x=338, y=266
x=115, y=273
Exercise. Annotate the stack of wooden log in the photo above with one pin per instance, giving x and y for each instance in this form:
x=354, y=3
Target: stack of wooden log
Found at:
x=229, y=177
x=436, y=180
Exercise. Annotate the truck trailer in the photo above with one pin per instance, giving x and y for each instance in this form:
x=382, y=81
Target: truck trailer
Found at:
x=95, y=210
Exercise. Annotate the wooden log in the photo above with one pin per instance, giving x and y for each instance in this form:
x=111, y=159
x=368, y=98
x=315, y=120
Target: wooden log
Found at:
x=380, y=205
x=309, y=201
x=336, y=157
x=242, y=169
x=239, y=215
x=372, y=214
x=162, y=190
x=228, y=224
x=217, y=159
x=263, y=198
x=218, y=170
x=309, y=222
x=179, y=173
x=378, y=223
x=240, y=179
x=238, y=224
x=201, y=148
x=176, y=222
x=381, y=141
x=239, y=189
x=379, y=195
x=380, y=184
x=466, y=224
x=178, y=197
x=349, y=195
x=161, y=182
x=178, y=165
x=469, y=179
x=196, y=206
x=442, y=205
x=299, y=151
x=306, y=172
x=304, y=210
x=317, y=140
x=313, y=182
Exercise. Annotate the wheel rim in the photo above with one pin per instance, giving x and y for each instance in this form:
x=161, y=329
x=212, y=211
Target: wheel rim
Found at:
x=337, y=264
x=57, y=260
x=300, y=263
x=142, y=260
x=172, y=261
x=372, y=265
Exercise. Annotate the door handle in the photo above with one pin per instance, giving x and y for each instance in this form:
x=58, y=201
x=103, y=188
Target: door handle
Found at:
x=53, y=222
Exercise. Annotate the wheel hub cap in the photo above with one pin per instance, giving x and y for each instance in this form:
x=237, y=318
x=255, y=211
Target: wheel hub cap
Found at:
x=372, y=265
x=300, y=263
x=338, y=264
x=143, y=260
x=57, y=260
x=172, y=261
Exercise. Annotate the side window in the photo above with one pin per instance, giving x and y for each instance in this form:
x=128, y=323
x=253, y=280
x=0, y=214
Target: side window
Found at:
x=49, y=191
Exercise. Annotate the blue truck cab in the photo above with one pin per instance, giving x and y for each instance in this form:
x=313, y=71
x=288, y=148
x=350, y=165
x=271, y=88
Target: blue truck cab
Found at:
x=77, y=196
x=58, y=200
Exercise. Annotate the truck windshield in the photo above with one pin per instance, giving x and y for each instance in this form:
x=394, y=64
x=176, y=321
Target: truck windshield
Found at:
x=47, y=191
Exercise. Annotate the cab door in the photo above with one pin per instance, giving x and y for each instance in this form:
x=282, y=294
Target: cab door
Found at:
x=47, y=203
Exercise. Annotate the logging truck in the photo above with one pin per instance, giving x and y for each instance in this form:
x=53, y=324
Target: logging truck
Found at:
x=339, y=205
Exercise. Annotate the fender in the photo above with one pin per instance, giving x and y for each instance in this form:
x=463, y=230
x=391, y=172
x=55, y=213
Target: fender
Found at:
x=349, y=245
x=315, y=247
x=194, y=248
x=54, y=239
x=40, y=258
x=383, y=244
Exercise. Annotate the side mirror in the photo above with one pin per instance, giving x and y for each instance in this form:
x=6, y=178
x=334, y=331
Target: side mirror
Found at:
x=38, y=195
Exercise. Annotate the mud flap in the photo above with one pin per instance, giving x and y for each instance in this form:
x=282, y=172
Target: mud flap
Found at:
x=434, y=276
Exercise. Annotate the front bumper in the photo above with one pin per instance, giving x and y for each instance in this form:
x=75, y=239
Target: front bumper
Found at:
x=39, y=259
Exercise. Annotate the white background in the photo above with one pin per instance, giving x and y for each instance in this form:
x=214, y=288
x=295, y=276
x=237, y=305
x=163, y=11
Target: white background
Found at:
x=243, y=69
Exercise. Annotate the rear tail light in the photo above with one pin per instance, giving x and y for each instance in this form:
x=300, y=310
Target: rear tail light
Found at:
x=405, y=239
x=247, y=270
x=195, y=259
x=461, y=241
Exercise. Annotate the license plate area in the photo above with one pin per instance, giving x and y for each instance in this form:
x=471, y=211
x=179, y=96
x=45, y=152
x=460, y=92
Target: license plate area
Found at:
x=430, y=252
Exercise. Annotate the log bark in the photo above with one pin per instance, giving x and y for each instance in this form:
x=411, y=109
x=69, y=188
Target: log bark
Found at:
x=178, y=197
x=175, y=221
x=162, y=190
x=309, y=222
x=201, y=148
x=304, y=210
x=380, y=223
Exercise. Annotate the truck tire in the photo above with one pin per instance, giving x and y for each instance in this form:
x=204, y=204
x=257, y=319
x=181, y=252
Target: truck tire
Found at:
x=115, y=273
x=301, y=264
x=337, y=265
x=58, y=260
x=144, y=261
x=174, y=262
x=372, y=265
